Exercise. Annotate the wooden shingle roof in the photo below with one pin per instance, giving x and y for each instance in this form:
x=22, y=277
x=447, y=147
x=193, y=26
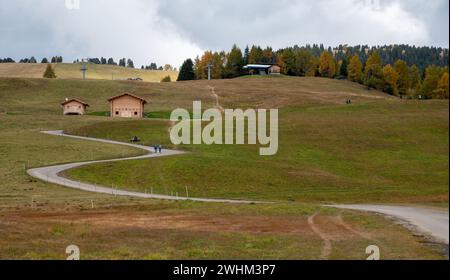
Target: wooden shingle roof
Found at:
x=128, y=94
x=76, y=100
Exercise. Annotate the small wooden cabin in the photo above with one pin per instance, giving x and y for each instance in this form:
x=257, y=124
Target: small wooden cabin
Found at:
x=127, y=105
x=74, y=107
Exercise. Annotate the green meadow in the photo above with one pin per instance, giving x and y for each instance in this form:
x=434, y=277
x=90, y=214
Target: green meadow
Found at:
x=378, y=150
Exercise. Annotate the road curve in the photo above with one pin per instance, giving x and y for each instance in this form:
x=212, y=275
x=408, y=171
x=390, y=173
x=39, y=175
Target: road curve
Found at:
x=434, y=223
x=427, y=221
x=50, y=174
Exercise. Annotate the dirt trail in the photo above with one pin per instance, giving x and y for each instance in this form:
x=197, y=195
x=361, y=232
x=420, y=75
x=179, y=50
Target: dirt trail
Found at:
x=340, y=221
x=327, y=247
x=218, y=106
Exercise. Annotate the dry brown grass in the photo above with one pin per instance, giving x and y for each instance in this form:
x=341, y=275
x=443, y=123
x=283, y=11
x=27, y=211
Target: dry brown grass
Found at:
x=72, y=71
x=156, y=234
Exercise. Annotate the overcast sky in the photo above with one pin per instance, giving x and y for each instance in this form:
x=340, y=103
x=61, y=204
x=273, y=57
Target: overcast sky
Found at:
x=170, y=31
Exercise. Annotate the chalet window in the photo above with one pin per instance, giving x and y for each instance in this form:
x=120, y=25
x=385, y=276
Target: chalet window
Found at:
x=117, y=112
x=135, y=113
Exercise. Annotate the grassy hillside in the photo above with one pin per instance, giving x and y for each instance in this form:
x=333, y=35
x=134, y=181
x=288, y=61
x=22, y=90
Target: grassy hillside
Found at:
x=376, y=153
x=26, y=96
x=380, y=149
x=72, y=71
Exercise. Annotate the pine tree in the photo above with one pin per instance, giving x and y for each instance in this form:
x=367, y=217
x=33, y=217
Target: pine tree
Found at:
x=186, y=71
x=256, y=55
x=246, y=55
x=235, y=63
x=49, y=72
x=130, y=63
x=343, y=71
x=44, y=61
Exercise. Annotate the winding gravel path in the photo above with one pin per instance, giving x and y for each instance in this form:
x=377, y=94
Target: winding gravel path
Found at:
x=50, y=174
x=427, y=221
x=434, y=223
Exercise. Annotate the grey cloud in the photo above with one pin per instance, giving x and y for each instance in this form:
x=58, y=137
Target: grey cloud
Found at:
x=169, y=31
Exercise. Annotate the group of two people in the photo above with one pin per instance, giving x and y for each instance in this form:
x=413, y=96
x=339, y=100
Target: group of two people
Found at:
x=158, y=148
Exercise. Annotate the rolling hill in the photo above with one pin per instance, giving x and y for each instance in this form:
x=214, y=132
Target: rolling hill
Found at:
x=380, y=149
x=72, y=71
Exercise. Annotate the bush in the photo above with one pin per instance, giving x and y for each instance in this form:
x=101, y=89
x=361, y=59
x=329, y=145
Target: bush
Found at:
x=166, y=79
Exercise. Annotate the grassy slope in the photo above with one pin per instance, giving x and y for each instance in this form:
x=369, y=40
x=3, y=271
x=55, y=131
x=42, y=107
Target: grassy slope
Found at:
x=376, y=150
x=58, y=216
x=72, y=71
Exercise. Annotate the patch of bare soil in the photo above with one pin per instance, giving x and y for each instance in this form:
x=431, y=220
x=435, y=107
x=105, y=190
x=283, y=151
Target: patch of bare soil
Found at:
x=206, y=223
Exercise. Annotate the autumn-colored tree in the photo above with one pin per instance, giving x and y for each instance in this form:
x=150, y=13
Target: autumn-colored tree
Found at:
x=404, y=79
x=49, y=72
x=201, y=65
x=268, y=56
x=327, y=65
x=390, y=80
x=215, y=60
x=415, y=80
x=305, y=62
x=197, y=68
x=281, y=63
x=441, y=91
x=217, y=65
x=355, y=69
x=313, y=69
x=373, y=72
x=433, y=75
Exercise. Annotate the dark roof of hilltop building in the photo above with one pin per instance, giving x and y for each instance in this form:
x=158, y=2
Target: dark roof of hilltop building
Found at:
x=127, y=94
x=75, y=100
